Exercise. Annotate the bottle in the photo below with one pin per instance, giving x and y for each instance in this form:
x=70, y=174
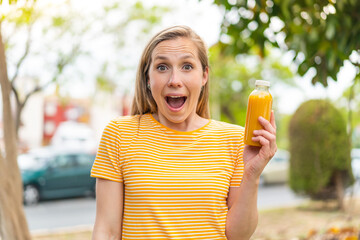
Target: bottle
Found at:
x=259, y=104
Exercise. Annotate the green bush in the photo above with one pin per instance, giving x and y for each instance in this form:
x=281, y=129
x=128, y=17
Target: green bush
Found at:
x=320, y=162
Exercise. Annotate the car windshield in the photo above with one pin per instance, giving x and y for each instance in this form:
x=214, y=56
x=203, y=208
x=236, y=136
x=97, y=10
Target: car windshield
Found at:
x=30, y=162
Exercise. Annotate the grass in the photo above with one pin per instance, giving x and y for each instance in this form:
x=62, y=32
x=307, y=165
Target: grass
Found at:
x=293, y=223
x=299, y=222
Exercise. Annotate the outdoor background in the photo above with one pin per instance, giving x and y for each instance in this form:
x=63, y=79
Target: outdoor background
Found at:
x=72, y=67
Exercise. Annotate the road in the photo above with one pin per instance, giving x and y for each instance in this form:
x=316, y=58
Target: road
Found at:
x=80, y=212
x=57, y=214
x=277, y=196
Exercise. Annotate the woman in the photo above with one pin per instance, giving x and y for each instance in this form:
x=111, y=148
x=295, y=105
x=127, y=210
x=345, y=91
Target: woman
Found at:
x=168, y=171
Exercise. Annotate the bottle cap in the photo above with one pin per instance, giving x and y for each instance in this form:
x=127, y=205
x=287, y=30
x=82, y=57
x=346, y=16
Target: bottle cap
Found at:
x=262, y=83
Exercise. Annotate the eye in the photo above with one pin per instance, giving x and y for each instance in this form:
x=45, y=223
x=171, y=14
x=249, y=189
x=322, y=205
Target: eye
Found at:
x=187, y=67
x=161, y=68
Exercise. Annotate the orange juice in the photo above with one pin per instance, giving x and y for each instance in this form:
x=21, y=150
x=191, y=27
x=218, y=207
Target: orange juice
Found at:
x=259, y=104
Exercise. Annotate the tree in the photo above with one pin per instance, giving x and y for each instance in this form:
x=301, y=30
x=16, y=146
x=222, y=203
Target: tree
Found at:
x=65, y=40
x=320, y=152
x=13, y=223
x=25, y=15
x=323, y=34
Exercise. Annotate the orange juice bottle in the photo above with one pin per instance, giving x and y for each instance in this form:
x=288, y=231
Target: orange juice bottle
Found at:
x=259, y=104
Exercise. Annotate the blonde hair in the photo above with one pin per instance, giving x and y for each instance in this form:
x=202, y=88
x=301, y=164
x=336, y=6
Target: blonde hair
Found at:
x=143, y=101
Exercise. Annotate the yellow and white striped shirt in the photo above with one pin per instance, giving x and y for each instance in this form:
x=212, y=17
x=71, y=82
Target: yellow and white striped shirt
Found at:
x=176, y=183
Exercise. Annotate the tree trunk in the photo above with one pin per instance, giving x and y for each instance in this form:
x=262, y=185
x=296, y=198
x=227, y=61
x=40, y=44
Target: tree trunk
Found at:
x=13, y=225
x=18, y=112
x=339, y=185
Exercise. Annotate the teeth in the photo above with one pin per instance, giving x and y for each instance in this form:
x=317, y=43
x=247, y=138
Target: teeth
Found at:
x=175, y=96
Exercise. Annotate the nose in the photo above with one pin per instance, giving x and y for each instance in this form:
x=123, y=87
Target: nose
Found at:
x=175, y=79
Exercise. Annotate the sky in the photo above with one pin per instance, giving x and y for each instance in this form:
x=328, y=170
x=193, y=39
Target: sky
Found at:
x=290, y=98
x=205, y=18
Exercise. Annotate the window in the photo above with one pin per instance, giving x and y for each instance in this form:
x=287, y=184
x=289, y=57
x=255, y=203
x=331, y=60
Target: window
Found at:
x=65, y=161
x=85, y=160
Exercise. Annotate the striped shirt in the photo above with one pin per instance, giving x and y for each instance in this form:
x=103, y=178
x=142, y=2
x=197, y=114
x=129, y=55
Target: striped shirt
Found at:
x=176, y=183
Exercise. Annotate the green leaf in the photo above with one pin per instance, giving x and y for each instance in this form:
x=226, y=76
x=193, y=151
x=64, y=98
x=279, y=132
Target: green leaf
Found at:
x=331, y=59
x=330, y=30
x=285, y=8
x=58, y=21
x=114, y=6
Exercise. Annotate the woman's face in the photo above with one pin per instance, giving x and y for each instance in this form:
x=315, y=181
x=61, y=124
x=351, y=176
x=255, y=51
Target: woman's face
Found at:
x=176, y=78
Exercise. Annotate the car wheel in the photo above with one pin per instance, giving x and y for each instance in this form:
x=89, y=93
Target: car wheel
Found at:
x=31, y=195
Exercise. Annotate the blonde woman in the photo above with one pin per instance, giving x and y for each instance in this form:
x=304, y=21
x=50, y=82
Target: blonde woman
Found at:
x=168, y=171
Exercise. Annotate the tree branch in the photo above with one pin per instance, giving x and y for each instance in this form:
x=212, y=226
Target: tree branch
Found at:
x=21, y=60
x=35, y=90
x=61, y=64
x=15, y=93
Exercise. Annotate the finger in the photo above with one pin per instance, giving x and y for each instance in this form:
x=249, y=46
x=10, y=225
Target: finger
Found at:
x=268, y=135
x=268, y=149
x=267, y=125
x=263, y=141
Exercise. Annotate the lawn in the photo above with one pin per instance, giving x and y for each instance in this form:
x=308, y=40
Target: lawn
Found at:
x=313, y=218
x=293, y=223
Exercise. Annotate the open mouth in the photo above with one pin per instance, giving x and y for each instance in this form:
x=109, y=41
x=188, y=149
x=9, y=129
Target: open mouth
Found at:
x=175, y=102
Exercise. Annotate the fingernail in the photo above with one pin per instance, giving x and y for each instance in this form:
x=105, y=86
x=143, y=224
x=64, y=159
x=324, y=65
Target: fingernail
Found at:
x=255, y=132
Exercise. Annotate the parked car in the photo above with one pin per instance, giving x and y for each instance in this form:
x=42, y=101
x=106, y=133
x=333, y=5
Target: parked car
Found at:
x=277, y=170
x=53, y=173
x=355, y=162
x=74, y=134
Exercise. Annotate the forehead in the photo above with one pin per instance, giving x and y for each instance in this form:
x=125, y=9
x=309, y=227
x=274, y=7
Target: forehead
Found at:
x=178, y=46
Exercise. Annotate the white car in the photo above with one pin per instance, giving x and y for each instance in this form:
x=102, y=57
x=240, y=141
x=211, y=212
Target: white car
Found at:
x=277, y=170
x=74, y=135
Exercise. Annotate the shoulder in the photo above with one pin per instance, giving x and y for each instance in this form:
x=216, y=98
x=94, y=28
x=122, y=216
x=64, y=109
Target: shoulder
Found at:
x=228, y=136
x=225, y=127
x=227, y=133
x=122, y=124
x=125, y=121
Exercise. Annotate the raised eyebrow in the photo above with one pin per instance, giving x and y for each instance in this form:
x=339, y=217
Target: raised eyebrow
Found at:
x=187, y=56
x=160, y=57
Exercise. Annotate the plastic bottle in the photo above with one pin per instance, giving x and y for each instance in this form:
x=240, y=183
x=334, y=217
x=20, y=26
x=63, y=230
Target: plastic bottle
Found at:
x=259, y=104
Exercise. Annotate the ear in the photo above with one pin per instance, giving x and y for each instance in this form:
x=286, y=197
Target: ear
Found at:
x=205, y=76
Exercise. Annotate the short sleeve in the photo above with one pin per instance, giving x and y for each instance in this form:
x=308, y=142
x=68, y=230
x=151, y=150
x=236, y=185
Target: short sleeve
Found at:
x=239, y=168
x=108, y=164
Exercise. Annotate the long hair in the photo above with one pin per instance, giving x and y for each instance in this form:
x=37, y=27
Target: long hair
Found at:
x=143, y=101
